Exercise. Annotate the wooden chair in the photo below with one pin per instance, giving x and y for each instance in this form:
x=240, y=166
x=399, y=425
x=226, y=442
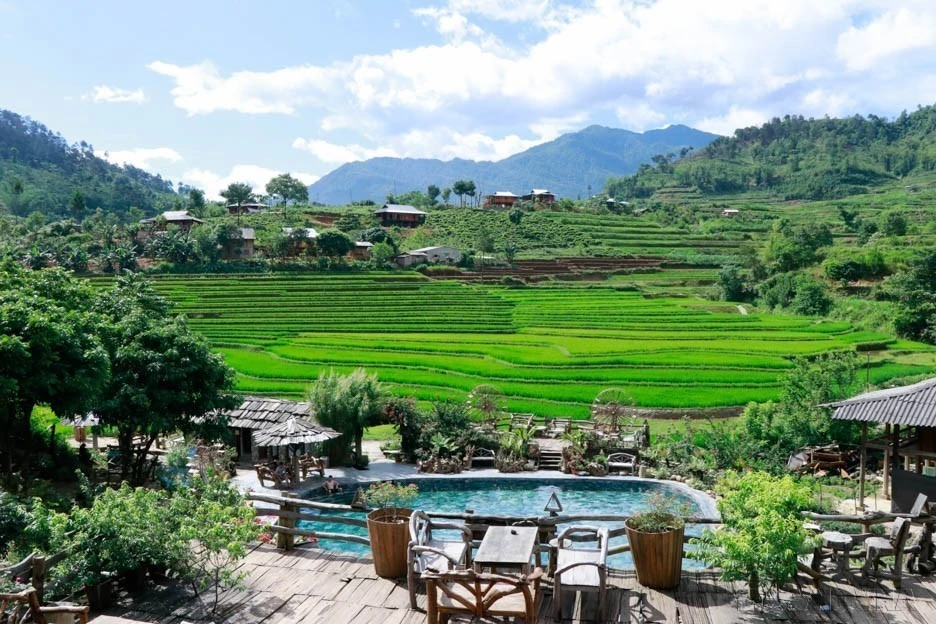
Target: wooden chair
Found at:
x=621, y=462
x=308, y=464
x=425, y=552
x=480, y=595
x=558, y=426
x=265, y=473
x=581, y=566
x=27, y=601
x=875, y=548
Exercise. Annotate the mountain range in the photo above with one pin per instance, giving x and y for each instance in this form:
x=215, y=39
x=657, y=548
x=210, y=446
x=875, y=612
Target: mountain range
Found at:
x=573, y=165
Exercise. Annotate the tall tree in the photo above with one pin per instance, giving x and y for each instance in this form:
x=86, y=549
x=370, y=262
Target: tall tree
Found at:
x=238, y=193
x=289, y=188
x=196, y=199
x=334, y=243
x=77, y=204
x=433, y=193
x=347, y=403
x=50, y=352
x=164, y=378
x=462, y=188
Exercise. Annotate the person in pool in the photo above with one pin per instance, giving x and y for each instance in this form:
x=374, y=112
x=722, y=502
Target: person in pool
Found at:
x=331, y=486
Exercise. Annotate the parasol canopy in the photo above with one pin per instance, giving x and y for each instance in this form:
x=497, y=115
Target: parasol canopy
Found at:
x=293, y=430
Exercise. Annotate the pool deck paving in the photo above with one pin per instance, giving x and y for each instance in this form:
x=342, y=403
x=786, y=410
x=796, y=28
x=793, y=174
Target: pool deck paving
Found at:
x=309, y=585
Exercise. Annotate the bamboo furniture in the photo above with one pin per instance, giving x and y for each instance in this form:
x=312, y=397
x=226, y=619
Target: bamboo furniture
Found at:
x=878, y=547
x=581, y=564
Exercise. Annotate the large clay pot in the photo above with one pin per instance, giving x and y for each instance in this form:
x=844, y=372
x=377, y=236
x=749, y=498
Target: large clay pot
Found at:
x=389, y=540
x=657, y=557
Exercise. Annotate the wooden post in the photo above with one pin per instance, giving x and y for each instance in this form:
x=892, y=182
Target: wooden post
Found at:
x=38, y=575
x=862, y=467
x=284, y=540
x=887, y=466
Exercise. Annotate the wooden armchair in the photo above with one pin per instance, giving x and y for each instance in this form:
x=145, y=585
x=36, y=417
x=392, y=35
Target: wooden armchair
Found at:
x=27, y=601
x=308, y=464
x=426, y=552
x=265, y=473
x=480, y=595
x=622, y=462
x=581, y=564
x=875, y=548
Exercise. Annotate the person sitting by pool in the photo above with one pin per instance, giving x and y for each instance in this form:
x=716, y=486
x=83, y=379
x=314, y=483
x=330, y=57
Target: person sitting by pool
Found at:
x=331, y=486
x=280, y=471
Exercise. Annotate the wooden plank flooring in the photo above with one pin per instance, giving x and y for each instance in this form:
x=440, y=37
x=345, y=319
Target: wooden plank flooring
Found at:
x=310, y=586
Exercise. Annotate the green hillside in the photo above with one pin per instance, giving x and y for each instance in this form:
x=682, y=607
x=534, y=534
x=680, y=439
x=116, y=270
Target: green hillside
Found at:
x=41, y=172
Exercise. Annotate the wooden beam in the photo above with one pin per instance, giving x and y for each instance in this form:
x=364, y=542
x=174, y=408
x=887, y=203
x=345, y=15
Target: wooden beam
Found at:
x=863, y=466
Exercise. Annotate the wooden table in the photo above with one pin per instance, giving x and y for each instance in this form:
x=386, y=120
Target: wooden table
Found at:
x=506, y=547
x=840, y=544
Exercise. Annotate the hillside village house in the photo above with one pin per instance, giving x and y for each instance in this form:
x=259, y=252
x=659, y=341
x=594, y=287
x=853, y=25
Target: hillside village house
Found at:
x=180, y=218
x=501, y=199
x=242, y=247
x=300, y=244
x=256, y=413
x=730, y=212
x=361, y=250
x=441, y=254
x=399, y=214
x=252, y=208
x=540, y=196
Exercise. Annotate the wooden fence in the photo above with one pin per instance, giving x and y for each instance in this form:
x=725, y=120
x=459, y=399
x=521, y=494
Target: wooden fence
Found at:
x=33, y=569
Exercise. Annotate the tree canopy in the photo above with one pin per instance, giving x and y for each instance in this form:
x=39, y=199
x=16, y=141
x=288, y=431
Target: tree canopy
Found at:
x=347, y=403
x=289, y=188
x=238, y=193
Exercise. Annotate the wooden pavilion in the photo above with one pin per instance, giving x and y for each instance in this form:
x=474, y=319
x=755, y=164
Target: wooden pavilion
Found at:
x=258, y=413
x=908, y=439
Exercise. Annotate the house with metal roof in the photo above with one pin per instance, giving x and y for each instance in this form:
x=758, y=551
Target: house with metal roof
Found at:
x=240, y=247
x=501, y=199
x=540, y=196
x=400, y=214
x=180, y=218
x=441, y=254
x=908, y=439
x=248, y=208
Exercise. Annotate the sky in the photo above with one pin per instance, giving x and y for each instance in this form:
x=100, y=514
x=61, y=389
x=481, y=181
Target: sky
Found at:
x=210, y=92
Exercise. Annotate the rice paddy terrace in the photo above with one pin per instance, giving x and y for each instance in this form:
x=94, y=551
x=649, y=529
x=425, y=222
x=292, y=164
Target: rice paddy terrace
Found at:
x=548, y=349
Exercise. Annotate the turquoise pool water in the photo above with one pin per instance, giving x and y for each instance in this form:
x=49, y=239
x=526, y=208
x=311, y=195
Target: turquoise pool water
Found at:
x=524, y=497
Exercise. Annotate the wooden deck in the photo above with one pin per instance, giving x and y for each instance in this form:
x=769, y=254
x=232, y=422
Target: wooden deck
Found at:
x=311, y=585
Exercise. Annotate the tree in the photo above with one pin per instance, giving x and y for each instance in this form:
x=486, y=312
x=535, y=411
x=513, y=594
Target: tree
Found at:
x=50, y=351
x=914, y=292
x=347, y=403
x=164, y=377
x=433, y=193
x=515, y=216
x=462, y=188
x=196, y=199
x=893, y=223
x=731, y=284
x=446, y=194
x=762, y=533
x=289, y=188
x=77, y=204
x=238, y=193
x=381, y=253
x=334, y=243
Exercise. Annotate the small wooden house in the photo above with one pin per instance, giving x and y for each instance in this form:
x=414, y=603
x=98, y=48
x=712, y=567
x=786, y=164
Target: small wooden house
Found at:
x=501, y=200
x=432, y=255
x=257, y=413
x=399, y=214
x=540, y=196
x=241, y=247
x=908, y=440
x=361, y=250
x=250, y=208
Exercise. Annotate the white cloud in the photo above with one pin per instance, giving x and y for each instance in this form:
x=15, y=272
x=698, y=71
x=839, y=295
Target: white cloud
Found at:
x=103, y=93
x=213, y=183
x=333, y=153
x=142, y=157
x=721, y=64
x=891, y=33
x=732, y=120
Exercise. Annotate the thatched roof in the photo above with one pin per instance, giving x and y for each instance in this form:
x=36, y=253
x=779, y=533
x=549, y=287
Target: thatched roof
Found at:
x=264, y=412
x=913, y=405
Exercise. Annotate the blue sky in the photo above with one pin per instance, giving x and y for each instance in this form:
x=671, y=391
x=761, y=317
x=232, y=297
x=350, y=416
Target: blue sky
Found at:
x=210, y=92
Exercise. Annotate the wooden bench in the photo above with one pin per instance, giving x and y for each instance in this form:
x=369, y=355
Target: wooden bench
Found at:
x=621, y=462
x=27, y=602
x=481, y=456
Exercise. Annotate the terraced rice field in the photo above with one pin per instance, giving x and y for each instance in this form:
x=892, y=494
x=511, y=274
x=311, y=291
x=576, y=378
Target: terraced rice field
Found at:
x=548, y=349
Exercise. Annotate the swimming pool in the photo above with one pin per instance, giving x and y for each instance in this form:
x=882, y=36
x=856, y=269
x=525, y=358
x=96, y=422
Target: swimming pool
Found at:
x=527, y=497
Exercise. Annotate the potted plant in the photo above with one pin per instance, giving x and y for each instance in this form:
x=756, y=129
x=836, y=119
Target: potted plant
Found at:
x=388, y=526
x=656, y=541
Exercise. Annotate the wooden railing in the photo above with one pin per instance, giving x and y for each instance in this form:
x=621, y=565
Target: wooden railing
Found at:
x=287, y=511
x=33, y=569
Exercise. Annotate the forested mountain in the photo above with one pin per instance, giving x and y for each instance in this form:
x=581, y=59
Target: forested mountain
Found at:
x=799, y=158
x=568, y=166
x=41, y=172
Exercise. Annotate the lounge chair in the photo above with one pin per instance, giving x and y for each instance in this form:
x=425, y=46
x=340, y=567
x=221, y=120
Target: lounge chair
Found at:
x=622, y=462
x=426, y=552
x=482, y=595
x=27, y=601
x=581, y=564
